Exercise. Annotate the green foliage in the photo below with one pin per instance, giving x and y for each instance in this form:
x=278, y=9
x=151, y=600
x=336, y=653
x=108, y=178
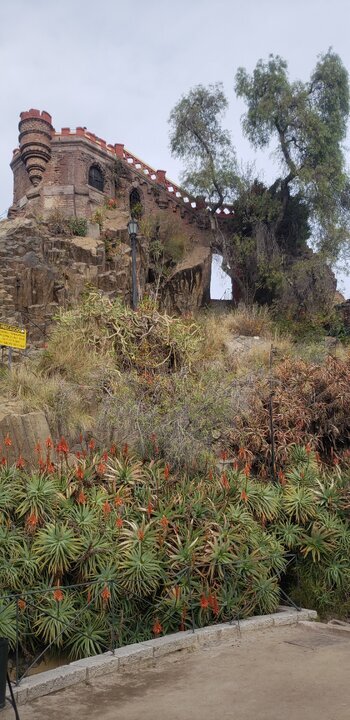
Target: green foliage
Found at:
x=309, y=122
x=152, y=544
x=197, y=137
x=78, y=226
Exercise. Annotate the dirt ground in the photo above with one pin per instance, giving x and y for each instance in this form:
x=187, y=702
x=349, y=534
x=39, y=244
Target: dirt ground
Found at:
x=287, y=673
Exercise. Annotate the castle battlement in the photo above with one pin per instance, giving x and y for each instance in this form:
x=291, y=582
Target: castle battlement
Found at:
x=47, y=158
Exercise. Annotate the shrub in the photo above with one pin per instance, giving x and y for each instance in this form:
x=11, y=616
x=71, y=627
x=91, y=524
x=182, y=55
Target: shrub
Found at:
x=78, y=226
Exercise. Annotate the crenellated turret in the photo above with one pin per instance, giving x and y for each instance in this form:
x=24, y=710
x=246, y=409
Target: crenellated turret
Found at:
x=35, y=133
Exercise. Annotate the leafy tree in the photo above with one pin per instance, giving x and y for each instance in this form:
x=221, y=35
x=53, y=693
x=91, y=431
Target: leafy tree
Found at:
x=309, y=122
x=198, y=138
x=309, y=201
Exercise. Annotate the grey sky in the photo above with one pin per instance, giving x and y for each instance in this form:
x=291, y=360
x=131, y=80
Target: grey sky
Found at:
x=118, y=66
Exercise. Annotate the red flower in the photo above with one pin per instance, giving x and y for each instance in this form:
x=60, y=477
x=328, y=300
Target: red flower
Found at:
x=113, y=450
x=105, y=594
x=244, y=496
x=246, y=469
x=20, y=463
x=38, y=448
x=106, y=508
x=166, y=471
x=164, y=522
x=50, y=467
x=62, y=446
x=105, y=456
x=204, y=602
x=32, y=521
x=213, y=604
x=101, y=469
x=224, y=455
x=157, y=628
x=8, y=441
x=58, y=595
x=92, y=444
x=224, y=481
x=81, y=498
x=79, y=473
x=49, y=443
x=149, y=508
x=125, y=450
x=118, y=501
x=140, y=535
x=22, y=604
x=3, y=461
x=119, y=523
x=282, y=478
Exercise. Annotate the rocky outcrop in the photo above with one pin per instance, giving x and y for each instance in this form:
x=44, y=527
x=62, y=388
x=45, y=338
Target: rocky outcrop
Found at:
x=24, y=431
x=42, y=268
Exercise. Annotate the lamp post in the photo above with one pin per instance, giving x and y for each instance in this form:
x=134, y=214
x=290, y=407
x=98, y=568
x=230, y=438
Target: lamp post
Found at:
x=132, y=230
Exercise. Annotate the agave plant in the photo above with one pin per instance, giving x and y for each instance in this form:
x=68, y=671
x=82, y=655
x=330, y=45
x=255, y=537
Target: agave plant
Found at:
x=56, y=547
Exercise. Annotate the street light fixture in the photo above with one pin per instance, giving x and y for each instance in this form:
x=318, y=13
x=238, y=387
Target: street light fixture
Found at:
x=133, y=230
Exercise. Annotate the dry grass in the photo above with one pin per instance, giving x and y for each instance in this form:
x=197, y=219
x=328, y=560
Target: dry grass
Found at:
x=254, y=321
x=63, y=402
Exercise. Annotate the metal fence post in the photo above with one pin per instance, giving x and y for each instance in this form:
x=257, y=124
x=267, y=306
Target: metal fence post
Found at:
x=189, y=579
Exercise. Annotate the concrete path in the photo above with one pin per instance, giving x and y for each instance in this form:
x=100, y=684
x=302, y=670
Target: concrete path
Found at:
x=287, y=673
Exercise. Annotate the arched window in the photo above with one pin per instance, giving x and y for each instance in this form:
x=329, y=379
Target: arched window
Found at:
x=96, y=179
x=135, y=203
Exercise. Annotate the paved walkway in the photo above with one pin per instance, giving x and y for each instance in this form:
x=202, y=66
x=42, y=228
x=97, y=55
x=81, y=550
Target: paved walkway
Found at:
x=287, y=673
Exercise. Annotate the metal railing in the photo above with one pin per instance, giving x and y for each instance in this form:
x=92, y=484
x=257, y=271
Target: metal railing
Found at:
x=30, y=604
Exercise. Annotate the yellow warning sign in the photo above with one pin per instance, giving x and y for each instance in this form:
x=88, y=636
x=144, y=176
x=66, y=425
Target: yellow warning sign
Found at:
x=13, y=336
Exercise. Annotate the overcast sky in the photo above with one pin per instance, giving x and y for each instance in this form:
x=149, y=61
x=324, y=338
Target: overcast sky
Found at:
x=119, y=66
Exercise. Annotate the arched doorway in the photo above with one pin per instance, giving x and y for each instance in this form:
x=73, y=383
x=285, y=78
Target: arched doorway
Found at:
x=221, y=283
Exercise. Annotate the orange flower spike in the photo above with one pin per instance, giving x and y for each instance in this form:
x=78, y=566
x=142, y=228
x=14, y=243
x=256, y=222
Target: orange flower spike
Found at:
x=204, y=602
x=79, y=473
x=58, y=595
x=20, y=463
x=119, y=523
x=105, y=456
x=164, y=522
x=8, y=441
x=157, y=628
x=49, y=443
x=113, y=450
x=106, y=507
x=282, y=478
x=242, y=453
x=149, y=509
x=62, y=446
x=50, y=468
x=224, y=481
x=38, y=448
x=244, y=496
x=166, y=471
x=125, y=449
x=118, y=501
x=141, y=535
x=247, y=469
x=22, y=604
x=105, y=594
x=224, y=455
x=210, y=475
x=81, y=498
x=3, y=461
x=92, y=444
x=101, y=469
x=308, y=448
x=32, y=520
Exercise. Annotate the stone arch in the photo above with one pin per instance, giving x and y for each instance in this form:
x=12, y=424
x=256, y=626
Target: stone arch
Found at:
x=96, y=177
